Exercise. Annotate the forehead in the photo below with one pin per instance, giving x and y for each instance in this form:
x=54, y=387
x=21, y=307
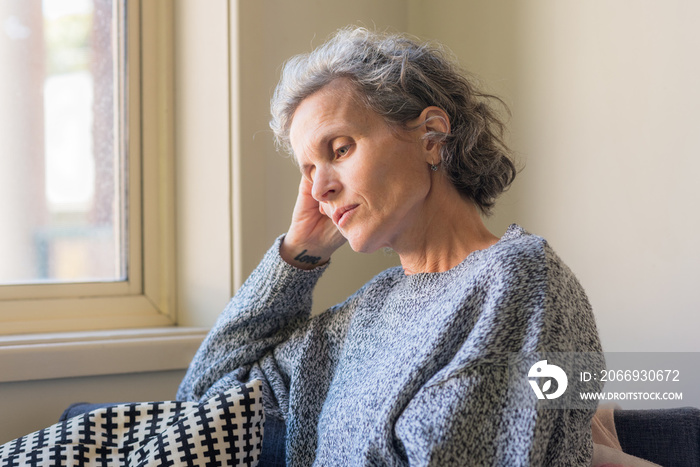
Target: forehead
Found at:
x=334, y=110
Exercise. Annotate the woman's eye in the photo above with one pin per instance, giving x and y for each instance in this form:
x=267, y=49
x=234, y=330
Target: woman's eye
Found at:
x=341, y=151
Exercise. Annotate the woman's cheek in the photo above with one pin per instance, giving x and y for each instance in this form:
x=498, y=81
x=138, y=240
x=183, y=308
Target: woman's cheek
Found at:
x=325, y=209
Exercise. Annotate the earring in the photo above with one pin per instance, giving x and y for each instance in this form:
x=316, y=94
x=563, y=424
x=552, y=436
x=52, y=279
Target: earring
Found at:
x=434, y=167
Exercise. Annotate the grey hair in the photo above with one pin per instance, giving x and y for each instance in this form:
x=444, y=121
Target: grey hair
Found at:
x=397, y=78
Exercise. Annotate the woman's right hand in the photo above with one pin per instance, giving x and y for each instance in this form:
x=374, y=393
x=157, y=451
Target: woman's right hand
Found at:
x=312, y=236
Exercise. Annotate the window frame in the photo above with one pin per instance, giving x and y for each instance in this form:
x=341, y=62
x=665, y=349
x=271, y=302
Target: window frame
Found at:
x=146, y=298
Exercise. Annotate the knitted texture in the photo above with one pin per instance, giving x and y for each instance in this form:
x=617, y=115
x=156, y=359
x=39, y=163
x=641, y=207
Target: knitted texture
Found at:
x=410, y=369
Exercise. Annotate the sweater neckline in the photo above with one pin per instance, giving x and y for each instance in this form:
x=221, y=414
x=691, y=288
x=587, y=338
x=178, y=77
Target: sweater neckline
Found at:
x=512, y=232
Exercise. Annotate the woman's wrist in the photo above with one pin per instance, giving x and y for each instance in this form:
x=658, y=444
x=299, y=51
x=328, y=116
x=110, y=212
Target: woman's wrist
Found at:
x=303, y=256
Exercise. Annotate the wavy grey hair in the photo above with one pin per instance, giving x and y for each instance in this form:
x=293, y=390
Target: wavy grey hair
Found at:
x=398, y=77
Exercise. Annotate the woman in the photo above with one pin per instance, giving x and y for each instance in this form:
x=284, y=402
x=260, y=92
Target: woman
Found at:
x=397, y=149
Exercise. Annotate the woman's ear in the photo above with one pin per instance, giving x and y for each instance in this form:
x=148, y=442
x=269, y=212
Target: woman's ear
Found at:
x=436, y=121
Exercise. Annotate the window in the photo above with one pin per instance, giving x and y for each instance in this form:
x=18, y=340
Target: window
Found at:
x=86, y=169
x=63, y=174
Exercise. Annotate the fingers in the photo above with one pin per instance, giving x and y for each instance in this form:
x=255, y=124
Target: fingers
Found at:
x=305, y=187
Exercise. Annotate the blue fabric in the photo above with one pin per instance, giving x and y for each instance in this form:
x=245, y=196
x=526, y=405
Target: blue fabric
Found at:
x=81, y=408
x=669, y=437
x=273, y=451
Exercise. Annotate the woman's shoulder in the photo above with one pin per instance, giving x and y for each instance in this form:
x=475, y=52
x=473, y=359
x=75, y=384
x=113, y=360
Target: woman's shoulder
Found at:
x=521, y=258
x=520, y=249
x=517, y=242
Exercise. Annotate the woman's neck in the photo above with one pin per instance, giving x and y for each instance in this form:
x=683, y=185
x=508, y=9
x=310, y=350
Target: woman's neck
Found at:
x=448, y=230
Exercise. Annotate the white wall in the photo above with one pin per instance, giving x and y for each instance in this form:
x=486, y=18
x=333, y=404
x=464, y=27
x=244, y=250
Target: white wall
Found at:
x=606, y=111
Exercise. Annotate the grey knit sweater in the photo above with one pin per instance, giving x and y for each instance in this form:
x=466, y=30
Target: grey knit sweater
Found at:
x=409, y=370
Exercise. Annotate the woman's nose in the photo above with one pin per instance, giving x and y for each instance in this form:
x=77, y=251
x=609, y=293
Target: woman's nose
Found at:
x=325, y=185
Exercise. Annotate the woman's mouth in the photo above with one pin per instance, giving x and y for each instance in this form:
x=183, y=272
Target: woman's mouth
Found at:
x=341, y=215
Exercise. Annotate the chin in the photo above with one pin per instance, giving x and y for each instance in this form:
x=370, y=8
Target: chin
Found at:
x=362, y=248
x=362, y=244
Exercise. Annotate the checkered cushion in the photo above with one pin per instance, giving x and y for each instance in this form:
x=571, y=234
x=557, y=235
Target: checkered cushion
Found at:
x=224, y=430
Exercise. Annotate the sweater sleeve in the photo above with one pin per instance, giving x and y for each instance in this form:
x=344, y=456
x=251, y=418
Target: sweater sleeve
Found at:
x=476, y=418
x=272, y=302
x=474, y=411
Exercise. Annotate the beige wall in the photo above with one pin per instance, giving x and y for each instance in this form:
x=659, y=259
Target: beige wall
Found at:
x=202, y=160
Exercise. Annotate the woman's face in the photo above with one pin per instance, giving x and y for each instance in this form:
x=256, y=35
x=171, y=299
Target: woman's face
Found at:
x=370, y=179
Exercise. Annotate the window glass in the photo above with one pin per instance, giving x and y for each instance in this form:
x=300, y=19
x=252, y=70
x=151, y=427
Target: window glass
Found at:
x=62, y=183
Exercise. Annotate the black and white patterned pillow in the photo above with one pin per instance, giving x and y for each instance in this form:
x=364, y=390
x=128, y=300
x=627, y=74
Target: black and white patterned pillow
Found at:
x=225, y=430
